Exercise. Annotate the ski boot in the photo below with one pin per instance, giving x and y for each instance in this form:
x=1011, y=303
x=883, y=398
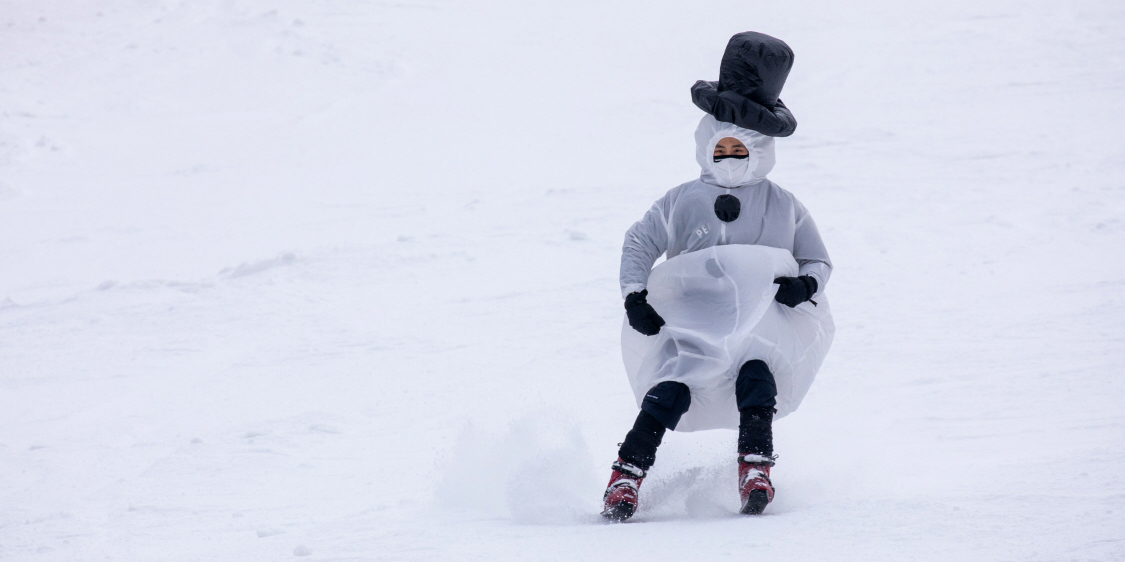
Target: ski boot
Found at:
x=754, y=486
x=620, y=499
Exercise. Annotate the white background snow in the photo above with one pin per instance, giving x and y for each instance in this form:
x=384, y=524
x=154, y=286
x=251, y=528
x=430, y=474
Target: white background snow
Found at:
x=337, y=279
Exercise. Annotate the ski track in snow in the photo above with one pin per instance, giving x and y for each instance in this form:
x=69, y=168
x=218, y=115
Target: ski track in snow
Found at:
x=337, y=280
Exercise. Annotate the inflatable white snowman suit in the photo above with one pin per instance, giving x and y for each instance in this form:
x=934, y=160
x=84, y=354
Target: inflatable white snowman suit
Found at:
x=716, y=290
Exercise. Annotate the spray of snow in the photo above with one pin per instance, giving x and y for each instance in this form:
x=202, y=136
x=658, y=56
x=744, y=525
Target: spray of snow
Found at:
x=538, y=471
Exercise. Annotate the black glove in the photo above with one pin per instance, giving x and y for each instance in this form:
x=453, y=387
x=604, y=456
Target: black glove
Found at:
x=794, y=290
x=642, y=317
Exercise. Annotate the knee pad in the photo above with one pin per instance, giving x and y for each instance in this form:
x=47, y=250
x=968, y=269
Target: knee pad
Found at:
x=755, y=386
x=666, y=402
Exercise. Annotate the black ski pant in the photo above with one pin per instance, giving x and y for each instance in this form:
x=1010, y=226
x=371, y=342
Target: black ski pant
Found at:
x=666, y=402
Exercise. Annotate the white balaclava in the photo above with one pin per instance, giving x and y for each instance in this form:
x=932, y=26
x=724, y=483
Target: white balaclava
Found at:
x=732, y=172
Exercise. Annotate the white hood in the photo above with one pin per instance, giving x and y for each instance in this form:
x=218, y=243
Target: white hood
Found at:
x=760, y=162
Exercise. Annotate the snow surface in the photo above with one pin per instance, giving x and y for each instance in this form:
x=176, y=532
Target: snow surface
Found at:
x=337, y=279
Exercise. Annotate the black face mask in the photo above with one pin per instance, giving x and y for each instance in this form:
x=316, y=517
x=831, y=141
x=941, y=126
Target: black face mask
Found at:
x=727, y=207
x=735, y=156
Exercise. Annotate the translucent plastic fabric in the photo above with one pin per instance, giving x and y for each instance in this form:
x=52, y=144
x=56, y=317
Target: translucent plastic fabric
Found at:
x=720, y=313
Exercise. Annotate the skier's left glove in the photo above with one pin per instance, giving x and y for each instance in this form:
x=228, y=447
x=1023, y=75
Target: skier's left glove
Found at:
x=795, y=290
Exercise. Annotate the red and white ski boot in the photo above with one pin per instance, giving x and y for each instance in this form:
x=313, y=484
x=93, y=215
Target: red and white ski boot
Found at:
x=620, y=499
x=754, y=486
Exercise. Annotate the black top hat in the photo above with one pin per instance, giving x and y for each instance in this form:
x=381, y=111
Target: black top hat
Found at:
x=751, y=75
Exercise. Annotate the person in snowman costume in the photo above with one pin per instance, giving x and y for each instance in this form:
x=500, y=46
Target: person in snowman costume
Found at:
x=717, y=222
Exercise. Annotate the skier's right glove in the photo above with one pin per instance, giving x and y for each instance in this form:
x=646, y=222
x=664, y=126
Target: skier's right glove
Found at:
x=642, y=317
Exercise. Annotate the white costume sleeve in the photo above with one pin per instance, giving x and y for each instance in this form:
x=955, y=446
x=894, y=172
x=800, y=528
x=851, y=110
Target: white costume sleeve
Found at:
x=645, y=241
x=808, y=249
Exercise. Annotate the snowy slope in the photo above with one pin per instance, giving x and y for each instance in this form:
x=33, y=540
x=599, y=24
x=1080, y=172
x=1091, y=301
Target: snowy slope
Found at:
x=337, y=279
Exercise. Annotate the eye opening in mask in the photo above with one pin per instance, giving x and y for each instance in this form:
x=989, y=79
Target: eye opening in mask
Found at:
x=735, y=156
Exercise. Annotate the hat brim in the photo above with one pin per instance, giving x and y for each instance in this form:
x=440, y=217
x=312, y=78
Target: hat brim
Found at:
x=731, y=107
